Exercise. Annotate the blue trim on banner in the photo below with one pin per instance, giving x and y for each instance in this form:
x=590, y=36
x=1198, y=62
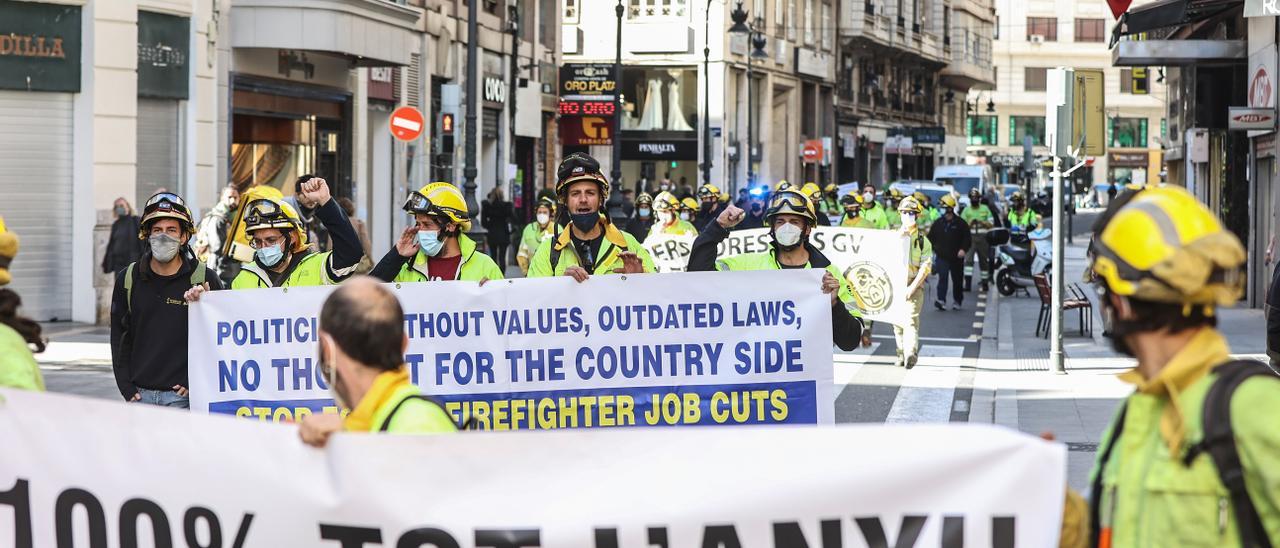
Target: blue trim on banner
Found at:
x=717, y=404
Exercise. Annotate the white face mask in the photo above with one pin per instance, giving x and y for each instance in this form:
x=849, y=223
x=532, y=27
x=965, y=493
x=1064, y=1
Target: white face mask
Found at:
x=868, y=197
x=788, y=235
x=684, y=216
x=664, y=216
x=543, y=218
x=908, y=219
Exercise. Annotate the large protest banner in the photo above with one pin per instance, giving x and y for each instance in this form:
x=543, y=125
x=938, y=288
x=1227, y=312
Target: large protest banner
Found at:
x=874, y=262
x=85, y=472
x=640, y=350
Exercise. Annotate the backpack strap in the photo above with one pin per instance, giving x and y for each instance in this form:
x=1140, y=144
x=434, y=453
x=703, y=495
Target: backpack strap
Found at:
x=1095, y=488
x=422, y=397
x=1219, y=442
x=128, y=286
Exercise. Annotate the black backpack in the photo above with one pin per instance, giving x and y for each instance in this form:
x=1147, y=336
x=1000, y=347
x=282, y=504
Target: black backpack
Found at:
x=1218, y=441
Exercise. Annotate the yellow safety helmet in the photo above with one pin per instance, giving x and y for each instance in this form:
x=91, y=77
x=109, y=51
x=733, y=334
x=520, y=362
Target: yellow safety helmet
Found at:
x=8, y=249
x=852, y=198
x=790, y=201
x=1165, y=246
x=910, y=205
x=690, y=204
x=665, y=201
x=893, y=193
x=831, y=188
x=546, y=202
x=1016, y=196
x=708, y=190
x=440, y=200
x=271, y=213
x=782, y=185
x=920, y=197
x=723, y=197
x=165, y=205
x=812, y=190
x=644, y=198
x=947, y=200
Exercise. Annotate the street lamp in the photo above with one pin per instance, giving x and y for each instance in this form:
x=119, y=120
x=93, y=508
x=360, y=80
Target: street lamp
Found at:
x=706, y=92
x=757, y=38
x=615, y=175
x=473, y=134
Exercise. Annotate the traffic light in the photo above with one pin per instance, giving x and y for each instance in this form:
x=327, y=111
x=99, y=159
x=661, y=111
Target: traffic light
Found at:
x=446, y=132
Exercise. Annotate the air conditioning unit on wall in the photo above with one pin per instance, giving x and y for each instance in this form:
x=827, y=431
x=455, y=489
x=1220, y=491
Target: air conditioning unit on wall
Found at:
x=1036, y=38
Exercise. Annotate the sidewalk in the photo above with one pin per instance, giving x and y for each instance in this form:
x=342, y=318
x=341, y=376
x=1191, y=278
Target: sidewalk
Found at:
x=76, y=344
x=1014, y=386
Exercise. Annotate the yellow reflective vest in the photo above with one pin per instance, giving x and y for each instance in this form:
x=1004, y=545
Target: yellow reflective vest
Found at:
x=474, y=266
x=613, y=244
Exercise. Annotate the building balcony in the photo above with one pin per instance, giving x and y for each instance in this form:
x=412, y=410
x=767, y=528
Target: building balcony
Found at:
x=969, y=65
x=368, y=32
x=865, y=19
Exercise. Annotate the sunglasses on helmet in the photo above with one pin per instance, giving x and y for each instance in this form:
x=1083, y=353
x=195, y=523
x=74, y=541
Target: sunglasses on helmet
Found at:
x=417, y=203
x=165, y=201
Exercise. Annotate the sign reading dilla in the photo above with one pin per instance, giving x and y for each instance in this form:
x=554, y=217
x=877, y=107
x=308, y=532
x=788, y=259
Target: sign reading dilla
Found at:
x=39, y=46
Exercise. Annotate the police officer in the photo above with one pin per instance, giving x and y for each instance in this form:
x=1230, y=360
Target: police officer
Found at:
x=852, y=203
x=639, y=224
x=540, y=229
x=436, y=247
x=919, y=265
x=669, y=212
x=362, y=345
x=148, y=315
x=709, y=206
x=281, y=256
x=951, y=241
x=1021, y=217
x=980, y=220
x=791, y=219
x=1192, y=456
x=588, y=243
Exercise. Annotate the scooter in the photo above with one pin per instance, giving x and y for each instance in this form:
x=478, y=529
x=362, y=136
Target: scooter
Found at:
x=1018, y=260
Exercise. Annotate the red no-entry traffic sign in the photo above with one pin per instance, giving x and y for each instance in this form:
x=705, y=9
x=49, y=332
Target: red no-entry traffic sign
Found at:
x=406, y=123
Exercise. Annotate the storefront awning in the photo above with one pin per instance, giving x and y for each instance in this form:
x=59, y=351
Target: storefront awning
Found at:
x=1146, y=53
x=371, y=32
x=1168, y=13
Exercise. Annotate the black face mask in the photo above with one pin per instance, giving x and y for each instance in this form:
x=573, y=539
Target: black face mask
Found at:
x=1113, y=328
x=706, y=206
x=585, y=221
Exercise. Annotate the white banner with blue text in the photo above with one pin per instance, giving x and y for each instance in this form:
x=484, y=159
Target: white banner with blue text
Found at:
x=638, y=350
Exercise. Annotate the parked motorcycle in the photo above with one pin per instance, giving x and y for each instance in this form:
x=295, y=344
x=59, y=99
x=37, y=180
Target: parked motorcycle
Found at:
x=1018, y=260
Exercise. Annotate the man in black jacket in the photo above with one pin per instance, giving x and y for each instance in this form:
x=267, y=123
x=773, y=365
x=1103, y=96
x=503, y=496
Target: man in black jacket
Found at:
x=950, y=238
x=148, y=312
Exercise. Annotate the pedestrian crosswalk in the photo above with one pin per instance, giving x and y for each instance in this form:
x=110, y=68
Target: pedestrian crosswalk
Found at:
x=927, y=390
x=870, y=388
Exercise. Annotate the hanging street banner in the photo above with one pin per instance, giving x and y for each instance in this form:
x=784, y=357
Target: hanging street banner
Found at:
x=256, y=485
x=874, y=262
x=546, y=353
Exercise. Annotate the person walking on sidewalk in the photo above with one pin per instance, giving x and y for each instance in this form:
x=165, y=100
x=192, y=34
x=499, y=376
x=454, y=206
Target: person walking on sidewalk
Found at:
x=496, y=216
x=950, y=238
x=362, y=345
x=18, y=335
x=123, y=246
x=919, y=255
x=148, y=309
x=1193, y=455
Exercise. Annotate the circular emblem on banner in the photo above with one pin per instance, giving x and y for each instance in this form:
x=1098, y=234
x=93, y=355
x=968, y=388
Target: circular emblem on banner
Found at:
x=872, y=289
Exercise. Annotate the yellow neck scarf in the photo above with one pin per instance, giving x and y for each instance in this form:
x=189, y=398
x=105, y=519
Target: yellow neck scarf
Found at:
x=384, y=386
x=1204, y=351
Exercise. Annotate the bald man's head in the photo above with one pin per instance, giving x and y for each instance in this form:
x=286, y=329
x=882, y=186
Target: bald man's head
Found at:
x=366, y=321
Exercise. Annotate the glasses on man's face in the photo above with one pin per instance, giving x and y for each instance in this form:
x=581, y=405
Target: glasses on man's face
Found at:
x=259, y=243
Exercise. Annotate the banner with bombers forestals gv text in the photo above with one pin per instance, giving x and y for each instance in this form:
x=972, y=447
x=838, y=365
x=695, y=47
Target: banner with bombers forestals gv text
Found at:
x=635, y=350
x=874, y=262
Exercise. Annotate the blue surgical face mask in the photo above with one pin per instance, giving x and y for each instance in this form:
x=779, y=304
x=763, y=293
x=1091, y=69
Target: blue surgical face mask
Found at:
x=429, y=241
x=644, y=212
x=270, y=256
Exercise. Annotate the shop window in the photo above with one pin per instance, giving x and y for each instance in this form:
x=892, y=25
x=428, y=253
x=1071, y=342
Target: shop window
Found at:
x=1021, y=126
x=1090, y=30
x=659, y=99
x=982, y=130
x=1044, y=27
x=1128, y=132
